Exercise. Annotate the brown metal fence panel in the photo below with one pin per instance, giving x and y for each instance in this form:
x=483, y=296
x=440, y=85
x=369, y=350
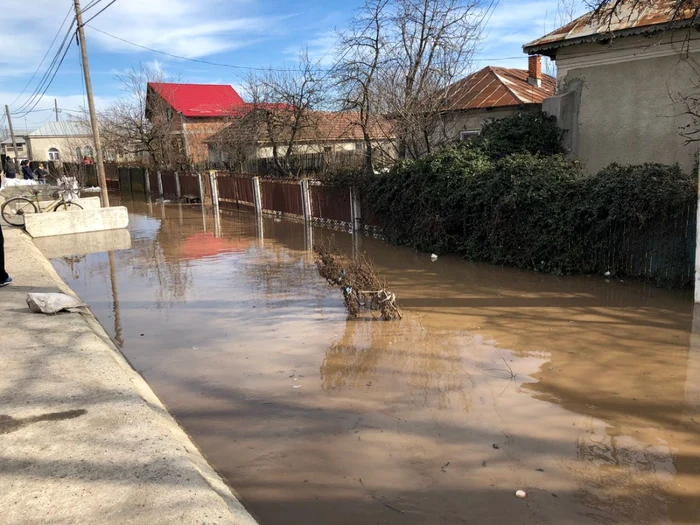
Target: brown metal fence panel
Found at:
x=281, y=196
x=330, y=203
x=189, y=184
x=153, y=178
x=138, y=181
x=235, y=190
x=124, y=180
x=169, y=185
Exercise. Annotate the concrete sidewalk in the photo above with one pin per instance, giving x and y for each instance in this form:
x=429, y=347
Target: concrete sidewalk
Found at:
x=83, y=439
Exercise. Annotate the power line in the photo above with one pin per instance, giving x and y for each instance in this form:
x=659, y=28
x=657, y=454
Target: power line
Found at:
x=99, y=12
x=70, y=9
x=48, y=78
x=206, y=62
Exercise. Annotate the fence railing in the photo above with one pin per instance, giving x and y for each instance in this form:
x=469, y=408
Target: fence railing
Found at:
x=667, y=255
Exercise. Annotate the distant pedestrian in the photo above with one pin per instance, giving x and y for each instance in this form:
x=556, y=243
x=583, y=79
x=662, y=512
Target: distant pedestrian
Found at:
x=10, y=169
x=27, y=170
x=4, y=278
x=87, y=161
x=40, y=174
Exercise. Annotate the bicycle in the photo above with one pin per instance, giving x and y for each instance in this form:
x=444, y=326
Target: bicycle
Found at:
x=14, y=210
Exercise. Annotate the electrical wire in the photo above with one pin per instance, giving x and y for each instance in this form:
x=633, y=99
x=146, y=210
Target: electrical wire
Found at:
x=50, y=73
x=100, y=12
x=70, y=9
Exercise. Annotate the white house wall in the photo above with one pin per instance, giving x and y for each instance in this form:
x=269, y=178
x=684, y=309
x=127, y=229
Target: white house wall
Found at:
x=66, y=146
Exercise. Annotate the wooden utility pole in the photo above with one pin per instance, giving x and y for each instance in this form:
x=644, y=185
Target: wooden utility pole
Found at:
x=55, y=104
x=91, y=104
x=12, y=134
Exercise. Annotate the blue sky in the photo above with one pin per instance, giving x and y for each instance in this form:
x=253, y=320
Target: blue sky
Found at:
x=256, y=33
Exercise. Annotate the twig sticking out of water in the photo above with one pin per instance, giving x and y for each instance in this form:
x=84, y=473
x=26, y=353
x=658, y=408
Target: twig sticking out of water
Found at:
x=358, y=281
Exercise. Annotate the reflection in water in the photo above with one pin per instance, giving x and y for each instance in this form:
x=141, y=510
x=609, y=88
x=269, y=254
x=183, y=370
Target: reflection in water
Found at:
x=582, y=392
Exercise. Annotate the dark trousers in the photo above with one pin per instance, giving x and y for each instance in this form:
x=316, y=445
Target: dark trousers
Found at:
x=11, y=175
x=3, y=273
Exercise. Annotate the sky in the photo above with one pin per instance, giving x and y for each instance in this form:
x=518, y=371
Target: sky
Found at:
x=252, y=33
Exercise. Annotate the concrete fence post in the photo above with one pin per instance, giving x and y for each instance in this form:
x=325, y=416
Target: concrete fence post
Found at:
x=160, y=184
x=257, y=195
x=214, y=190
x=178, y=191
x=355, y=210
x=306, y=200
x=147, y=181
x=200, y=184
x=697, y=248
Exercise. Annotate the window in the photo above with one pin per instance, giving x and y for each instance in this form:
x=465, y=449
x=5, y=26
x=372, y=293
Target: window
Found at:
x=327, y=149
x=468, y=135
x=89, y=152
x=79, y=153
x=54, y=154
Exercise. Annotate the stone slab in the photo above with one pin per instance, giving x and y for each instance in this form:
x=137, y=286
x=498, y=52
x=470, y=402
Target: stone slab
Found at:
x=78, y=221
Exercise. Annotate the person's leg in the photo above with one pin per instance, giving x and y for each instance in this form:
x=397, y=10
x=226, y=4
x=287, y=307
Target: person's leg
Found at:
x=3, y=274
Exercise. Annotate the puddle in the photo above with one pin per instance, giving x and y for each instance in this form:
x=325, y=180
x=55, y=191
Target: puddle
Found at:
x=581, y=392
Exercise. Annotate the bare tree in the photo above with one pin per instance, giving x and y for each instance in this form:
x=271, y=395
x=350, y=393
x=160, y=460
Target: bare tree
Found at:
x=283, y=106
x=141, y=126
x=359, y=67
x=431, y=43
x=238, y=141
x=399, y=57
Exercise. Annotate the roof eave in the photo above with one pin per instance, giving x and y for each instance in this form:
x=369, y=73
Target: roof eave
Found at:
x=549, y=49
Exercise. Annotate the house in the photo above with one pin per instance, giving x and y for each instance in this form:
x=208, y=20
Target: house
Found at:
x=7, y=149
x=195, y=112
x=328, y=133
x=622, y=78
x=66, y=141
x=493, y=93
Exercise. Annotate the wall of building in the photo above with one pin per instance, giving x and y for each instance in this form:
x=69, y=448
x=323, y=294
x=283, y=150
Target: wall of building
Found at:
x=67, y=147
x=454, y=122
x=197, y=132
x=627, y=97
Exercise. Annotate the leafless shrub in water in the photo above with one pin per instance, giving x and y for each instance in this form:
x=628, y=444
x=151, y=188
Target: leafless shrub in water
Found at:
x=358, y=281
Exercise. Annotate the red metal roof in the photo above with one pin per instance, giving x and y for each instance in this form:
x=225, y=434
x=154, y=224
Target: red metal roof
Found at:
x=495, y=87
x=199, y=100
x=631, y=17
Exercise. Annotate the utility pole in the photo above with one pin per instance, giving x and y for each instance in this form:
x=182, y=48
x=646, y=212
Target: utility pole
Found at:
x=55, y=104
x=12, y=134
x=91, y=104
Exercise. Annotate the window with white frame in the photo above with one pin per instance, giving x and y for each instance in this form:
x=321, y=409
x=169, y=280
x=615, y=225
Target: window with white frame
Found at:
x=54, y=154
x=89, y=152
x=468, y=135
x=79, y=153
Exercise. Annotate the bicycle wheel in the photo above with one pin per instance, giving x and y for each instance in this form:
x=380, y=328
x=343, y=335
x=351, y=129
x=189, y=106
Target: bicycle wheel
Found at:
x=68, y=206
x=14, y=210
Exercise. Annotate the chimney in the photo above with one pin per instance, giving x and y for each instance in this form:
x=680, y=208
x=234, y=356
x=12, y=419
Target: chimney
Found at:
x=534, y=70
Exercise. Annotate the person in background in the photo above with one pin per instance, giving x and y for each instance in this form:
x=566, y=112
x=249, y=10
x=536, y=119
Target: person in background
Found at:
x=87, y=161
x=10, y=169
x=40, y=174
x=27, y=170
x=4, y=278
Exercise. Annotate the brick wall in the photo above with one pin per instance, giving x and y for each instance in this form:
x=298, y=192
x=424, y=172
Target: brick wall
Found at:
x=198, y=130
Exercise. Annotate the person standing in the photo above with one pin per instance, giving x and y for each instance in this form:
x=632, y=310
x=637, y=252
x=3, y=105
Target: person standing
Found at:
x=40, y=173
x=4, y=278
x=10, y=169
x=27, y=171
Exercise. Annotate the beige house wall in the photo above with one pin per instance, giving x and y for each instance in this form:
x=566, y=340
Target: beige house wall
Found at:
x=624, y=109
x=454, y=122
x=39, y=147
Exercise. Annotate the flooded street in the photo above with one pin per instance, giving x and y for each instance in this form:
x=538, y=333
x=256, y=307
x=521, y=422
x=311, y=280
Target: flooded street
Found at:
x=582, y=392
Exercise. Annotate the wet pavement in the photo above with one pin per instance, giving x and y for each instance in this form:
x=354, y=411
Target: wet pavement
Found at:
x=582, y=392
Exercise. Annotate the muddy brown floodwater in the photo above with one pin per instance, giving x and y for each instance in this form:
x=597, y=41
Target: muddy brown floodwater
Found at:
x=581, y=392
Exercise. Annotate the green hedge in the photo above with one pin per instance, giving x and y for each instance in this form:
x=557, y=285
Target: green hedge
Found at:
x=541, y=212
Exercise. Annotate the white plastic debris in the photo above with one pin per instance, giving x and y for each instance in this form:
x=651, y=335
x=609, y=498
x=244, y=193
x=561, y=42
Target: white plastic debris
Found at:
x=434, y=257
x=296, y=386
x=521, y=494
x=52, y=303
x=608, y=274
